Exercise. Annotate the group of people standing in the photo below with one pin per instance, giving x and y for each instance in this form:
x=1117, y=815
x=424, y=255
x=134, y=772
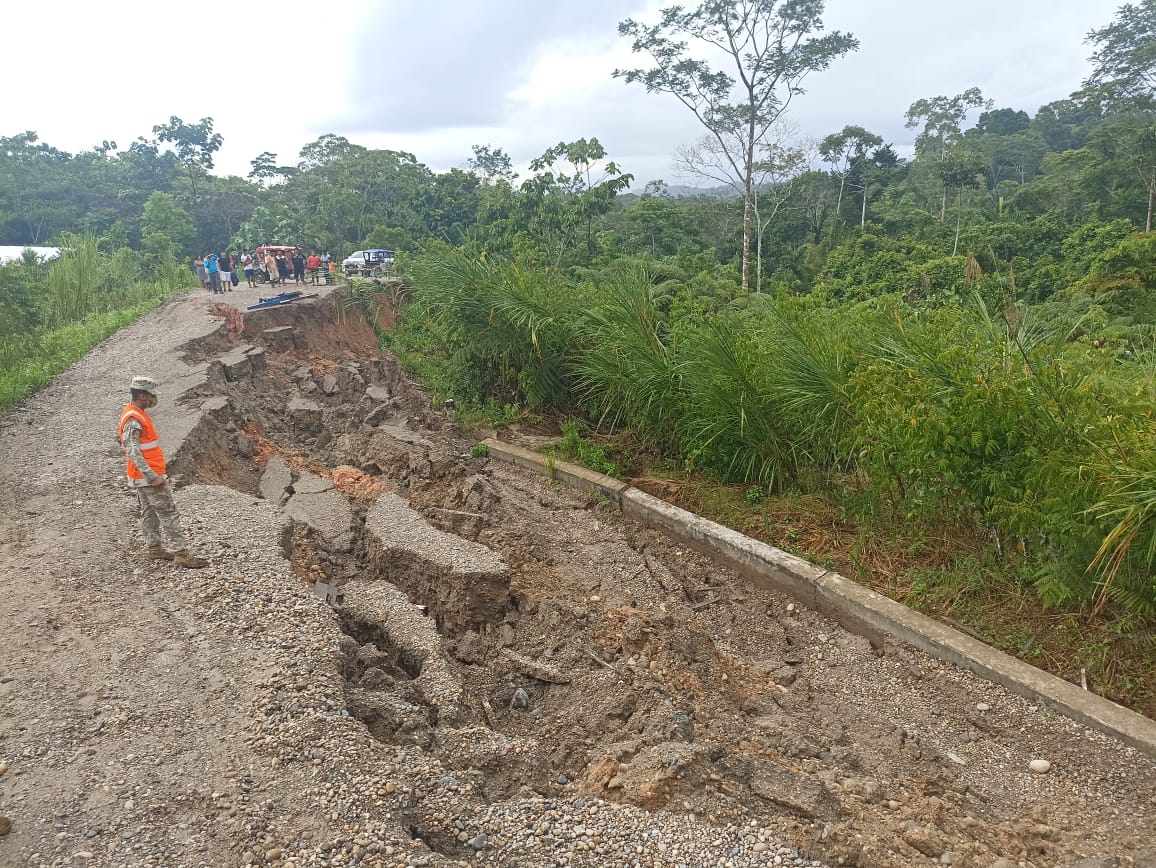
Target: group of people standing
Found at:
x=280, y=267
x=218, y=272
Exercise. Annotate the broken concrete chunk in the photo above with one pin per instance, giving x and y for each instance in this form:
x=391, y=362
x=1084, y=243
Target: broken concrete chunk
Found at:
x=305, y=416
x=275, y=480
x=311, y=483
x=414, y=636
x=536, y=669
x=801, y=794
x=327, y=513
x=281, y=338
x=256, y=358
x=316, y=504
x=470, y=648
x=246, y=446
x=237, y=364
x=466, y=583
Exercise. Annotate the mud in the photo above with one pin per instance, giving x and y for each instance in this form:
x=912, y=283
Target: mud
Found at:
x=533, y=640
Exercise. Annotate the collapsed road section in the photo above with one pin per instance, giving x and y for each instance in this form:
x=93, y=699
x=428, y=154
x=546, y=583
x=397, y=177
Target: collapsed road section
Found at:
x=405, y=654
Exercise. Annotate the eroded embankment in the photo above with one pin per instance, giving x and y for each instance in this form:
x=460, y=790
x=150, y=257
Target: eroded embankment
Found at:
x=535, y=642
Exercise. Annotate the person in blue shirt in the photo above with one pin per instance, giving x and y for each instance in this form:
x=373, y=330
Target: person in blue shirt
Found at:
x=214, y=272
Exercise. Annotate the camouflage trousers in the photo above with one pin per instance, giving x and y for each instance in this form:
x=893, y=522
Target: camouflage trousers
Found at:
x=158, y=515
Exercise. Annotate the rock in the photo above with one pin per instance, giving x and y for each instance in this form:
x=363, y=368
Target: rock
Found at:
x=82, y=854
x=273, y=855
x=801, y=794
x=246, y=446
x=535, y=668
x=1003, y=863
x=982, y=706
x=305, y=416
x=1040, y=766
x=317, y=504
x=925, y=839
x=236, y=364
x=275, y=480
x=5, y=826
x=380, y=394
x=470, y=648
x=478, y=841
x=521, y=699
x=1098, y=862
x=329, y=384
x=311, y=483
x=256, y=358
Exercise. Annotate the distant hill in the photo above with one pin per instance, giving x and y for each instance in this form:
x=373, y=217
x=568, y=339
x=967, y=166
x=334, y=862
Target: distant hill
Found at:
x=720, y=192
x=683, y=191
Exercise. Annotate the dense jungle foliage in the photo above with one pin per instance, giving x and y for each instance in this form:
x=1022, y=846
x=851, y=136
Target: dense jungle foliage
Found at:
x=964, y=335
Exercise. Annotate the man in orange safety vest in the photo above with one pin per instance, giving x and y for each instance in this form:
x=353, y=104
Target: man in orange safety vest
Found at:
x=146, y=476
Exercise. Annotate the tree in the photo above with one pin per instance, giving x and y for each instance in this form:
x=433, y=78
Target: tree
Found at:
x=326, y=149
x=166, y=227
x=491, y=164
x=1065, y=124
x=194, y=144
x=942, y=119
x=1002, y=122
x=1130, y=139
x=770, y=45
x=847, y=152
x=163, y=216
x=557, y=203
x=265, y=169
x=874, y=174
x=1125, y=56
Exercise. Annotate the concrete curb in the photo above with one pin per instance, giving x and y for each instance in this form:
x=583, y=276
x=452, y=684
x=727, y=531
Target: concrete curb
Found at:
x=857, y=608
x=571, y=474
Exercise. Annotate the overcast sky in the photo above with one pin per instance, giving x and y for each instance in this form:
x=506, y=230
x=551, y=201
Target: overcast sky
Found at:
x=437, y=76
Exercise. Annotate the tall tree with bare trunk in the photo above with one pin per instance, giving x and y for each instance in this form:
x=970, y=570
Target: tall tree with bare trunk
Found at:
x=770, y=46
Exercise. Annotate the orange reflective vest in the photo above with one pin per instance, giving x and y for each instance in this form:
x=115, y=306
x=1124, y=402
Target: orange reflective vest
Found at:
x=150, y=443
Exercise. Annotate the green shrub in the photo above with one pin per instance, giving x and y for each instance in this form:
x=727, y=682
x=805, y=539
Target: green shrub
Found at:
x=587, y=453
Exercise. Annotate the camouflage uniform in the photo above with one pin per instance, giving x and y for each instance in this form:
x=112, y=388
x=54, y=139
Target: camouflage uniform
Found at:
x=158, y=511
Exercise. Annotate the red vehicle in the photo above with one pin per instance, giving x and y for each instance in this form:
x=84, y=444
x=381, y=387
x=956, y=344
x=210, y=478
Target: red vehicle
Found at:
x=260, y=275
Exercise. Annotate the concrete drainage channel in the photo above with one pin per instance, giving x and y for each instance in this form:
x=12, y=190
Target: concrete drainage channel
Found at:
x=536, y=643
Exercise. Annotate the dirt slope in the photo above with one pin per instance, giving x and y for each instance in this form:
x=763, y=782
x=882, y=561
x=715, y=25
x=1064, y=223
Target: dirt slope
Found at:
x=510, y=673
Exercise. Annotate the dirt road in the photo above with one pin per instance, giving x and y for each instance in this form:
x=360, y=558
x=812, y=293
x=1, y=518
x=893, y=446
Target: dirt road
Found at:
x=506, y=672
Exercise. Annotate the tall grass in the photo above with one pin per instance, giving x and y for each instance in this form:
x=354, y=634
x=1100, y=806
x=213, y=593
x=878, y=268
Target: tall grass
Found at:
x=513, y=328
x=1033, y=435
x=71, y=304
x=627, y=372
x=29, y=362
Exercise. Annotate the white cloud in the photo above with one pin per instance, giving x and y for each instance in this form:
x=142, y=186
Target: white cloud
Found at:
x=275, y=74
